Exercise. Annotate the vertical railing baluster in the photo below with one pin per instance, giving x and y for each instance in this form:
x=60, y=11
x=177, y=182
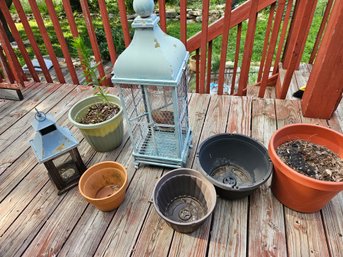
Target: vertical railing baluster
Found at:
x=266, y=41
x=306, y=9
x=271, y=49
x=197, y=69
x=209, y=67
x=203, y=47
x=296, y=48
x=183, y=21
x=62, y=41
x=282, y=36
x=31, y=38
x=7, y=73
x=321, y=31
x=17, y=38
x=123, y=21
x=248, y=47
x=92, y=37
x=235, y=65
x=46, y=39
x=11, y=57
x=306, y=30
x=2, y=67
x=162, y=14
x=73, y=28
x=70, y=18
x=108, y=31
x=225, y=40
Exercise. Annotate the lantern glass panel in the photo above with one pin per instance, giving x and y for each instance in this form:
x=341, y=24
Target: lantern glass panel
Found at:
x=66, y=167
x=157, y=117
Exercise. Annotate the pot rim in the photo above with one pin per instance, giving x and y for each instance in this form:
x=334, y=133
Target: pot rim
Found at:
x=293, y=174
x=196, y=174
x=123, y=187
x=94, y=125
x=241, y=188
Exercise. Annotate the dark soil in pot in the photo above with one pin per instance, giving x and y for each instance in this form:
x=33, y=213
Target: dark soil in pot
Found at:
x=100, y=112
x=312, y=160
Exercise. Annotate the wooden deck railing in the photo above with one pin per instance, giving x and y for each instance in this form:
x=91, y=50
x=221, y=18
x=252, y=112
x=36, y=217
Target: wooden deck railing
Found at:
x=283, y=40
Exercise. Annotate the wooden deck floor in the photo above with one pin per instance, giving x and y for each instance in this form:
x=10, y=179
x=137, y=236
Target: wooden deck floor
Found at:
x=35, y=221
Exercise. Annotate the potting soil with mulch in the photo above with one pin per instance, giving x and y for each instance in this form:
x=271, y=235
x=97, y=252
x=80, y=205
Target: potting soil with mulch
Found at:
x=100, y=112
x=312, y=160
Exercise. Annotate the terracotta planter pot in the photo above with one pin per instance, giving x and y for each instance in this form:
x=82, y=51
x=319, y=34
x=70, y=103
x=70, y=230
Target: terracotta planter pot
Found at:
x=297, y=191
x=104, y=185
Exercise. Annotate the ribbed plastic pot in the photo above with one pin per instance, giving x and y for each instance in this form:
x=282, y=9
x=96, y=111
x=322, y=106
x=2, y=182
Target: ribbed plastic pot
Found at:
x=235, y=164
x=104, y=185
x=104, y=136
x=297, y=191
x=184, y=199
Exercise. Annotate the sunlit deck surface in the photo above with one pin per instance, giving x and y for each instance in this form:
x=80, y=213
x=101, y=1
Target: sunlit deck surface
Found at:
x=35, y=221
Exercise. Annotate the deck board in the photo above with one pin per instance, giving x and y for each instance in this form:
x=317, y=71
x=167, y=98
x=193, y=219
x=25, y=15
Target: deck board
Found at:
x=158, y=235
x=228, y=235
x=266, y=229
x=185, y=245
x=301, y=228
x=35, y=221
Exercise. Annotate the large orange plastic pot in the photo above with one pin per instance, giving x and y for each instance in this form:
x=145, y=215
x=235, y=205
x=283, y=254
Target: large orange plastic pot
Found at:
x=297, y=191
x=104, y=185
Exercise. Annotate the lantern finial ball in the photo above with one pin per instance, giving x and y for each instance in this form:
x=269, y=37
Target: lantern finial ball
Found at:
x=143, y=8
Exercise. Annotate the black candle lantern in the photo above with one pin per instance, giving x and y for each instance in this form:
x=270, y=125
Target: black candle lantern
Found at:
x=56, y=148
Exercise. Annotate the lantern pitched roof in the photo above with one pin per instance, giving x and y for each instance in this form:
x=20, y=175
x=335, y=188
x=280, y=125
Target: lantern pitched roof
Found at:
x=153, y=57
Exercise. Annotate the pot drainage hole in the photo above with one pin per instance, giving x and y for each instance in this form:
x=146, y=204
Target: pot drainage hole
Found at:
x=107, y=191
x=185, y=209
x=232, y=175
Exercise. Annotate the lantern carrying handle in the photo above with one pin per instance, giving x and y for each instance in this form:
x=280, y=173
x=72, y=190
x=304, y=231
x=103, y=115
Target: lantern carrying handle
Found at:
x=40, y=116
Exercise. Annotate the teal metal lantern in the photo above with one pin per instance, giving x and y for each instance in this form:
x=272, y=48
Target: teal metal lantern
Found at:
x=152, y=76
x=56, y=148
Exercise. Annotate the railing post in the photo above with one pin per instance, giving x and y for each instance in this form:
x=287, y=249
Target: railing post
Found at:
x=325, y=86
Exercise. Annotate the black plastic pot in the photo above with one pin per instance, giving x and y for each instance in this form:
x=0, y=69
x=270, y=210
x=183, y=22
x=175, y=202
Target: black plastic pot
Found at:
x=235, y=164
x=184, y=199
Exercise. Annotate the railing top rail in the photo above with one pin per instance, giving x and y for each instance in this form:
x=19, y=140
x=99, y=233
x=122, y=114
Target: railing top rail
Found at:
x=238, y=15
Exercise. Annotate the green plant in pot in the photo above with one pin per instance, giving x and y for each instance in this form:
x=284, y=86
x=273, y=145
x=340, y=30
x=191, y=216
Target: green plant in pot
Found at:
x=99, y=117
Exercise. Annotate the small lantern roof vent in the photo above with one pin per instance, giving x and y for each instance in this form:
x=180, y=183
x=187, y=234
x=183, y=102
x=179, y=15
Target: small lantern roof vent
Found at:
x=42, y=121
x=50, y=140
x=152, y=57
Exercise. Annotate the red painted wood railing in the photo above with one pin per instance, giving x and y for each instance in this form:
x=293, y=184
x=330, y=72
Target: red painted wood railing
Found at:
x=13, y=75
x=279, y=40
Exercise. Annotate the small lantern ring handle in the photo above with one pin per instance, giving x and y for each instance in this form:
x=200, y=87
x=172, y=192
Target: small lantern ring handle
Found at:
x=40, y=116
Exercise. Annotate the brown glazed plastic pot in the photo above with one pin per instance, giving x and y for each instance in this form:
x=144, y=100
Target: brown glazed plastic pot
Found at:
x=104, y=185
x=297, y=191
x=184, y=199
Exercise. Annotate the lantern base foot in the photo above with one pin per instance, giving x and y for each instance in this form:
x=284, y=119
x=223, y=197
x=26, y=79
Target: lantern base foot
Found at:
x=67, y=188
